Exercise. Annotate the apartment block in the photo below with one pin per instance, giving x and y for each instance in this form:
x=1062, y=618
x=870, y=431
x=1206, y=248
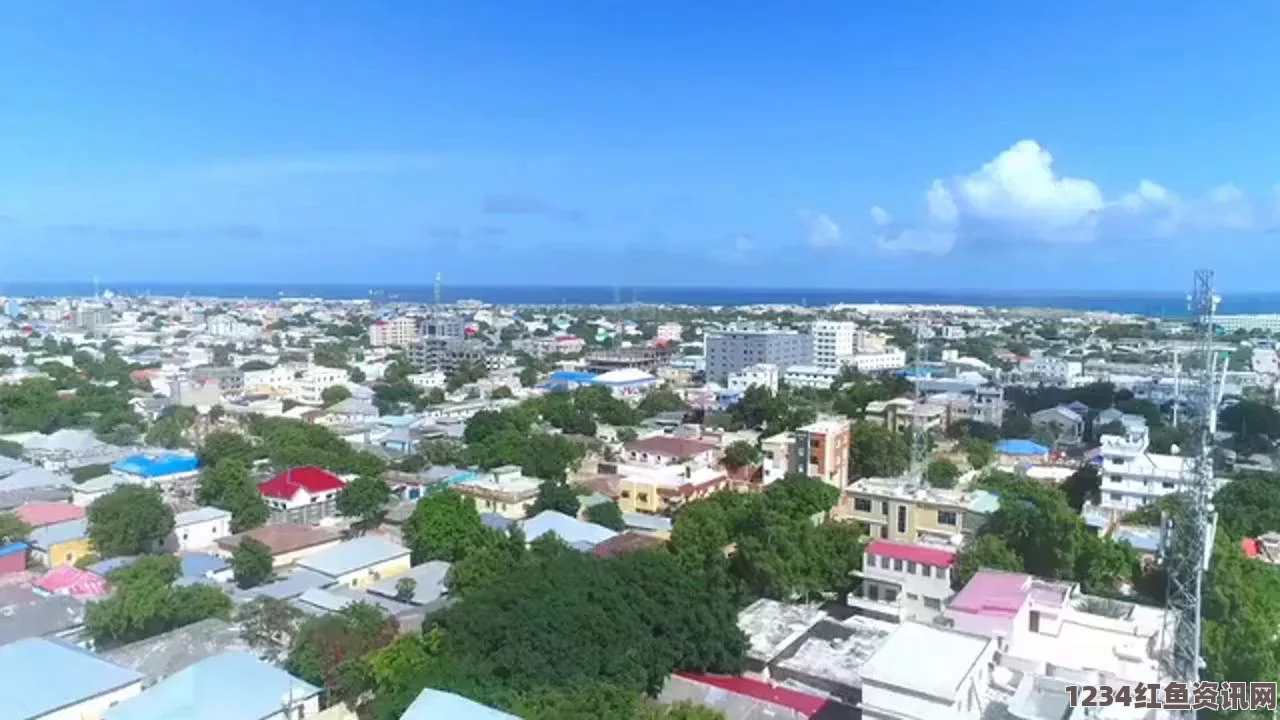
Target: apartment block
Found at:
x=395, y=332
x=902, y=511
x=1133, y=477
x=833, y=340
x=819, y=450
x=759, y=375
x=732, y=350
x=904, y=581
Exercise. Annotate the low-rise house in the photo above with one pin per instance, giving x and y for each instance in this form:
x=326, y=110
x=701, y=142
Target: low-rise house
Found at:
x=288, y=587
x=302, y=495
x=158, y=467
x=430, y=589
x=29, y=477
x=42, y=678
x=322, y=601
x=29, y=614
x=504, y=491
x=39, y=514
x=922, y=672
x=667, y=450
x=1067, y=425
x=230, y=686
x=1012, y=452
x=575, y=533
x=744, y=698
x=349, y=412
x=438, y=704
x=359, y=562
x=904, y=581
x=288, y=542
x=197, y=529
x=79, y=584
x=61, y=543
x=162, y=655
x=13, y=557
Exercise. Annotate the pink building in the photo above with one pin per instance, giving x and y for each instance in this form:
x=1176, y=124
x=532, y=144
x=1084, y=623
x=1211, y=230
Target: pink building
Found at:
x=995, y=602
x=13, y=557
x=39, y=514
x=67, y=580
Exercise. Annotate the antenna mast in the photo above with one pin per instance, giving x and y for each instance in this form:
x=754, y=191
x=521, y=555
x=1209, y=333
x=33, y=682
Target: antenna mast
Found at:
x=439, y=286
x=1189, y=531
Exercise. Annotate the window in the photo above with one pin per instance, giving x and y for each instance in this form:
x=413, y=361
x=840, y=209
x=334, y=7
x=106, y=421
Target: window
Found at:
x=642, y=497
x=1114, y=479
x=884, y=531
x=933, y=603
x=925, y=570
x=897, y=565
x=884, y=560
x=902, y=518
x=862, y=505
x=626, y=494
x=884, y=508
x=911, y=567
x=912, y=596
x=1167, y=485
x=946, y=517
x=1117, y=497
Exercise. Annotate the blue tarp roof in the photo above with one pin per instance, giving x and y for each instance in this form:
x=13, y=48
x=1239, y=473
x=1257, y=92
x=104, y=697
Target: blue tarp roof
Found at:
x=571, y=376
x=1016, y=446
x=13, y=548
x=151, y=466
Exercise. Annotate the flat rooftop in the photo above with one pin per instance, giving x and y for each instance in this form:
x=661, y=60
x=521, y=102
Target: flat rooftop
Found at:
x=772, y=626
x=927, y=659
x=837, y=651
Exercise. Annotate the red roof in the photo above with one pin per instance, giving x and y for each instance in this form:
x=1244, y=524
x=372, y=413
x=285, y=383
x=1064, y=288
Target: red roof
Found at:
x=806, y=705
x=914, y=553
x=66, y=580
x=39, y=514
x=668, y=446
x=312, y=479
x=1251, y=546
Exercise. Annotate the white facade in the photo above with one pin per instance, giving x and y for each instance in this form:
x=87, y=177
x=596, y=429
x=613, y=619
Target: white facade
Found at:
x=810, y=376
x=198, y=529
x=953, y=332
x=887, y=359
x=429, y=380
x=313, y=382
x=904, y=580
x=924, y=672
x=396, y=332
x=1133, y=477
x=670, y=332
x=832, y=340
x=272, y=378
x=777, y=451
x=1265, y=323
x=762, y=374
x=1055, y=370
x=229, y=326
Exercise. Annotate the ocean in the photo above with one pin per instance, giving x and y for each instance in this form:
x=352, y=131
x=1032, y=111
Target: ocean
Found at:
x=1150, y=304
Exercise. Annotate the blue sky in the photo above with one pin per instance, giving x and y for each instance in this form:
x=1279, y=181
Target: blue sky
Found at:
x=1003, y=145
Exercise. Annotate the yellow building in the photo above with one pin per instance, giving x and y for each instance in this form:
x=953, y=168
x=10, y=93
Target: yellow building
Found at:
x=63, y=543
x=503, y=491
x=896, y=510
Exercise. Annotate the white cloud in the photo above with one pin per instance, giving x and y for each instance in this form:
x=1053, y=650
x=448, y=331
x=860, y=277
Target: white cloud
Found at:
x=823, y=231
x=1018, y=196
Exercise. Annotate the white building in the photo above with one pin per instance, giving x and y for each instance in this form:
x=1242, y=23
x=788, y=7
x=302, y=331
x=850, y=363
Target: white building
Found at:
x=1133, y=477
x=762, y=375
x=904, y=581
x=881, y=361
x=229, y=326
x=396, y=332
x=268, y=380
x=669, y=332
x=313, y=381
x=1054, y=370
x=924, y=672
x=810, y=376
x=953, y=332
x=198, y=529
x=832, y=340
x=1265, y=323
x=626, y=382
x=429, y=380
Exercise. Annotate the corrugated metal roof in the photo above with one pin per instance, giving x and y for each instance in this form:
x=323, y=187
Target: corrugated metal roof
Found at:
x=353, y=555
x=27, y=667
x=435, y=704
x=200, y=692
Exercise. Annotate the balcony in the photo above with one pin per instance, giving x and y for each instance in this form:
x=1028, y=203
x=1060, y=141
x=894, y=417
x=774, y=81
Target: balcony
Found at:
x=893, y=611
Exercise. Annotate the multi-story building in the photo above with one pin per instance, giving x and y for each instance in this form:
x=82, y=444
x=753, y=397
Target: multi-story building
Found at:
x=551, y=345
x=873, y=362
x=904, y=581
x=967, y=395
x=229, y=380
x=444, y=326
x=646, y=358
x=759, y=375
x=1133, y=477
x=819, y=450
x=731, y=350
x=669, y=332
x=504, y=491
x=810, y=376
x=446, y=354
x=1248, y=323
x=304, y=495
x=904, y=512
x=229, y=326
x=902, y=414
x=833, y=340
x=270, y=380
x=1053, y=370
x=396, y=332
x=91, y=316
x=312, y=382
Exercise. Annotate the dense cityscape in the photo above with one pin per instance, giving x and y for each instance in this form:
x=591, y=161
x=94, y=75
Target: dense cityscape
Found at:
x=464, y=510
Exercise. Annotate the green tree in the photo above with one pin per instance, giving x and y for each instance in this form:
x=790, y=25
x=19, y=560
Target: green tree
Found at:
x=364, y=499
x=979, y=453
x=10, y=449
x=130, y=520
x=1241, y=613
x=228, y=485
x=331, y=355
x=555, y=495
x=330, y=650
x=941, y=473
x=12, y=529
x=494, y=555
x=405, y=588
x=660, y=400
x=878, y=452
x=223, y=444
x=741, y=454
x=145, y=603
x=444, y=526
x=356, y=375
x=268, y=625
x=251, y=562
x=502, y=392
x=607, y=515
x=1083, y=485
x=528, y=376
x=253, y=365
x=800, y=496
x=334, y=394
x=1249, y=505
x=984, y=552
x=89, y=472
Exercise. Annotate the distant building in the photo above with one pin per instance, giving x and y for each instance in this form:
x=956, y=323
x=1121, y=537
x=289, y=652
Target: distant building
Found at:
x=810, y=376
x=669, y=332
x=229, y=326
x=359, y=562
x=504, y=491
x=762, y=375
x=91, y=316
x=626, y=383
x=819, y=450
x=1248, y=323
x=646, y=358
x=833, y=340
x=397, y=332
x=61, y=543
x=1133, y=477
x=288, y=542
x=230, y=686
x=900, y=511
x=1066, y=424
x=230, y=380
x=732, y=350
x=198, y=529
x=874, y=362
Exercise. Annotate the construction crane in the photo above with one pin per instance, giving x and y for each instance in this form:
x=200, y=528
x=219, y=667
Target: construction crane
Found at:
x=1188, y=531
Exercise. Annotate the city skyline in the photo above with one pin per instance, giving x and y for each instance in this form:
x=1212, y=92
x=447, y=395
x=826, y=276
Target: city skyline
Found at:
x=1088, y=147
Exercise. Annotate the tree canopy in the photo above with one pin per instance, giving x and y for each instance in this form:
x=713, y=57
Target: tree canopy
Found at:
x=878, y=452
x=607, y=515
x=130, y=520
x=251, y=562
x=228, y=485
x=365, y=500
x=146, y=603
x=555, y=495
x=741, y=453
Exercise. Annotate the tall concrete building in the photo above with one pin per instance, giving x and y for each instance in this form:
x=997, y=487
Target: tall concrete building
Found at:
x=396, y=332
x=833, y=340
x=732, y=350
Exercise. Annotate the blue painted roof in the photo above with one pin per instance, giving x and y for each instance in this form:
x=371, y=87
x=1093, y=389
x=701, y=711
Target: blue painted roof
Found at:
x=1017, y=446
x=198, y=564
x=571, y=530
x=570, y=376
x=38, y=676
x=433, y=704
x=201, y=692
x=495, y=521
x=50, y=535
x=112, y=564
x=13, y=548
x=151, y=466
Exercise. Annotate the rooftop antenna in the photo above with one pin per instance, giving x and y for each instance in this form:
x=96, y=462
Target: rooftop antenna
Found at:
x=95, y=287
x=1188, y=536
x=439, y=285
x=919, y=443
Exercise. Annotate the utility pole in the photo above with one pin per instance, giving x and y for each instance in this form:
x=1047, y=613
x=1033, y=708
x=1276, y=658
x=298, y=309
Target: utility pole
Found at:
x=1188, y=532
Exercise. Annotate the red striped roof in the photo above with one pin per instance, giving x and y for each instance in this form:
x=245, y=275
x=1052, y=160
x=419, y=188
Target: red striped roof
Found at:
x=312, y=479
x=915, y=553
x=806, y=705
